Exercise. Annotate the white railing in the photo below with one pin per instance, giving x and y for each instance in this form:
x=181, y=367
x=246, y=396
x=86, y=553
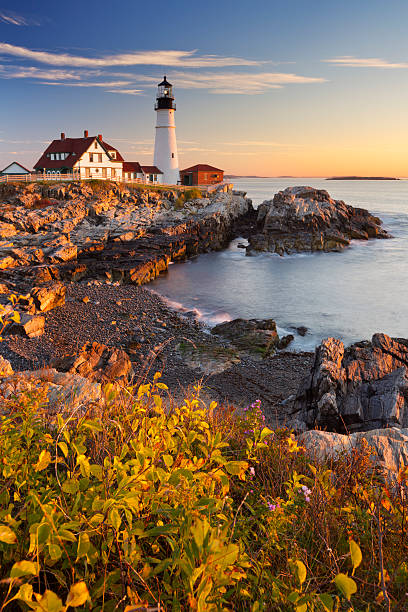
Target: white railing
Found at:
x=56, y=177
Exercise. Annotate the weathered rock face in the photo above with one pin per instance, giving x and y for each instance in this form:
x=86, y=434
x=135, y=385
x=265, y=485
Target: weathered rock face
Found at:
x=362, y=387
x=389, y=446
x=308, y=219
x=253, y=335
x=96, y=362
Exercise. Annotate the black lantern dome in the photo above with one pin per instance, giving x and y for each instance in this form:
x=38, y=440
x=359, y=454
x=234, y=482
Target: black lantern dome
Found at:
x=164, y=98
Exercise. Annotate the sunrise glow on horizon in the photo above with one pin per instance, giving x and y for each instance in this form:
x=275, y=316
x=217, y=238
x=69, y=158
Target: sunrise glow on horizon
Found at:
x=272, y=89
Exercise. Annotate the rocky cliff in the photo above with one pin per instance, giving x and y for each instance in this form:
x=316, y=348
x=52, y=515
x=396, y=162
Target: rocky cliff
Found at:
x=359, y=388
x=308, y=219
x=81, y=230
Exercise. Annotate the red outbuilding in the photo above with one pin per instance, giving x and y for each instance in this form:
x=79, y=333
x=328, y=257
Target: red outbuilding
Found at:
x=201, y=174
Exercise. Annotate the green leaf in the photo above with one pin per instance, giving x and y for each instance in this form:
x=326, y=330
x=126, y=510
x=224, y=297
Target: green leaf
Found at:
x=235, y=468
x=356, y=556
x=43, y=461
x=7, y=535
x=55, y=552
x=168, y=460
x=300, y=571
x=83, y=545
x=265, y=432
x=43, y=531
x=115, y=519
x=70, y=486
x=24, y=568
x=78, y=594
x=346, y=585
x=327, y=601
x=49, y=602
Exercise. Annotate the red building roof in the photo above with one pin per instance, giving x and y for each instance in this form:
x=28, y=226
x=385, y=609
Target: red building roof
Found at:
x=76, y=147
x=151, y=170
x=132, y=167
x=202, y=168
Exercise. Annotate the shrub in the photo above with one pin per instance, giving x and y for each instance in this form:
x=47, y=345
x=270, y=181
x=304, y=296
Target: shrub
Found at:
x=132, y=504
x=185, y=196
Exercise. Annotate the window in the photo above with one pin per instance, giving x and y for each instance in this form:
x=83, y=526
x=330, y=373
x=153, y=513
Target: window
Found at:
x=99, y=157
x=172, y=155
x=96, y=145
x=113, y=154
x=91, y=157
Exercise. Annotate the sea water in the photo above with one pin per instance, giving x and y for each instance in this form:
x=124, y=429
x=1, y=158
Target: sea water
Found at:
x=348, y=295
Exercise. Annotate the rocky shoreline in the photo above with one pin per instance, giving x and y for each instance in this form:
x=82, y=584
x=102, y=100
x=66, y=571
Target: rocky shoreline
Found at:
x=75, y=257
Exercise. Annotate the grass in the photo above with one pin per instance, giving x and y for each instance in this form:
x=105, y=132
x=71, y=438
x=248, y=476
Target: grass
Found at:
x=132, y=505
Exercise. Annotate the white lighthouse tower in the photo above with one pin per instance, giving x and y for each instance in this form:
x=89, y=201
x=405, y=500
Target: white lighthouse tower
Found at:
x=165, y=145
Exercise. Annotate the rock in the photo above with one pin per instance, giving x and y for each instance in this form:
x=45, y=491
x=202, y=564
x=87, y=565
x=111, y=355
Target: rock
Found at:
x=5, y=367
x=302, y=330
x=308, y=219
x=30, y=326
x=64, y=253
x=96, y=362
x=64, y=392
x=4, y=289
x=85, y=299
x=285, y=341
x=390, y=447
x=47, y=298
x=253, y=335
x=359, y=388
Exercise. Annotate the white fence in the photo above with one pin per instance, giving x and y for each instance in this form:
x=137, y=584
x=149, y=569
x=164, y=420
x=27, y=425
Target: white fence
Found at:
x=56, y=177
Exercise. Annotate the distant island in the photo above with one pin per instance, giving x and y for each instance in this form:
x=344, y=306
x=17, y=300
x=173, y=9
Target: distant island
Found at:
x=362, y=178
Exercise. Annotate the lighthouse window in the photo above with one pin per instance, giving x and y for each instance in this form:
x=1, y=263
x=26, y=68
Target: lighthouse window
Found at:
x=172, y=155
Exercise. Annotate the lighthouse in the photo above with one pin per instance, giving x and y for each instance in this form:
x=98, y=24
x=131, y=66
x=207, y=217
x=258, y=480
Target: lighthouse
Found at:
x=165, y=145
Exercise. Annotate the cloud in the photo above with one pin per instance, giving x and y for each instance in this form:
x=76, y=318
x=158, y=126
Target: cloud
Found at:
x=359, y=62
x=235, y=82
x=16, y=20
x=89, y=84
x=148, y=58
x=130, y=92
x=30, y=72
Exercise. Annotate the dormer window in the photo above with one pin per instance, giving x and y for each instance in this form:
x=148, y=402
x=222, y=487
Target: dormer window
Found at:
x=112, y=154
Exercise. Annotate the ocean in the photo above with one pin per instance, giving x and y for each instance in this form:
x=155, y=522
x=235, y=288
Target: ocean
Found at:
x=349, y=295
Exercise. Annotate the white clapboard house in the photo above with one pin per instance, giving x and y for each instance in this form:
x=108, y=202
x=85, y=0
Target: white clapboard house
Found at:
x=87, y=157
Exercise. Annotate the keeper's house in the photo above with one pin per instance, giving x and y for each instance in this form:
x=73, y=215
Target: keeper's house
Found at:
x=14, y=169
x=201, y=174
x=87, y=157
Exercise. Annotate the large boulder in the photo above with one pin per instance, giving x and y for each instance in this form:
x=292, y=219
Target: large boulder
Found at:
x=362, y=387
x=251, y=335
x=389, y=447
x=308, y=219
x=64, y=392
x=96, y=362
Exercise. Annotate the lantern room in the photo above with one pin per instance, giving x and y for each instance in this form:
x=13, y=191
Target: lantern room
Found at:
x=164, y=98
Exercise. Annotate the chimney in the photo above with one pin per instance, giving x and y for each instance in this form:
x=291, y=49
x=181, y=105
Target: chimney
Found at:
x=85, y=133
x=62, y=136
x=100, y=137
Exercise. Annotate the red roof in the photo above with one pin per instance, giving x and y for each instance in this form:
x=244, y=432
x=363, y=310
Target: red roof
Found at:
x=151, y=170
x=75, y=147
x=132, y=167
x=202, y=168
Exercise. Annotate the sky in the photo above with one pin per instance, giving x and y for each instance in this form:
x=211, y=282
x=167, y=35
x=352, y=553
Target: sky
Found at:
x=267, y=88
